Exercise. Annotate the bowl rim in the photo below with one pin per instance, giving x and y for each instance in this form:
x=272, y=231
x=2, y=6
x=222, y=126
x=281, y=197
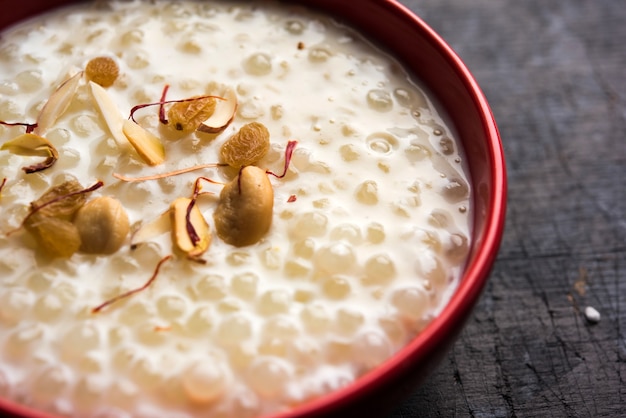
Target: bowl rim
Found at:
x=475, y=276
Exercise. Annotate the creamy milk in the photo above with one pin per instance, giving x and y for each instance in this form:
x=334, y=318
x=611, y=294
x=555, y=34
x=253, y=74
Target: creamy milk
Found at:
x=353, y=268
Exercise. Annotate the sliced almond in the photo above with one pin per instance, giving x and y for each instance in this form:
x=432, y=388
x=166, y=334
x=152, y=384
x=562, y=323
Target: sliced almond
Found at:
x=31, y=145
x=190, y=234
x=151, y=230
x=223, y=114
x=57, y=104
x=147, y=145
x=110, y=112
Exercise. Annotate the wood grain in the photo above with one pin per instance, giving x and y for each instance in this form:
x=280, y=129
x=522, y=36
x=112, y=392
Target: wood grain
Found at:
x=554, y=73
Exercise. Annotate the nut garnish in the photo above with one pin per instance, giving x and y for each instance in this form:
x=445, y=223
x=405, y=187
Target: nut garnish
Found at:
x=247, y=147
x=102, y=70
x=148, y=146
x=31, y=145
x=186, y=116
x=222, y=115
x=50, y=218
x=103, y=225
x=57, y=104
x=190, y=231
x=109, y=111
x=244, y=213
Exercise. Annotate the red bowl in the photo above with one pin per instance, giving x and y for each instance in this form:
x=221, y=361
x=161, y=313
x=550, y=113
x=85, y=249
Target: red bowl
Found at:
x=423, y=52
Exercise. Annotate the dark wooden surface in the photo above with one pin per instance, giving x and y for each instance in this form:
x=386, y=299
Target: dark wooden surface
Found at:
x=554, y=72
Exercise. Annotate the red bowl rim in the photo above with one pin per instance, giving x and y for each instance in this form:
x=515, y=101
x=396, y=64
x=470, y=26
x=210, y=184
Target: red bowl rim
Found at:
x=476, y=273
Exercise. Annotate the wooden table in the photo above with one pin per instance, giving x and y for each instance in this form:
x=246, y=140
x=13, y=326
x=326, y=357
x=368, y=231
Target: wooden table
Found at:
x=554, y=72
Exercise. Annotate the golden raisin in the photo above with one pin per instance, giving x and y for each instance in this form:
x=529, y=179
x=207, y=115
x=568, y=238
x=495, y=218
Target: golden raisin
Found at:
x=65, y=201
x=188, y=115
x=248, y=146
x=102, y=70
x=56, y=237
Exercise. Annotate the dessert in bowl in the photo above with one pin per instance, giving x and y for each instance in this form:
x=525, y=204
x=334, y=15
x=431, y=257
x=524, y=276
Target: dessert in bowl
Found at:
x=236, y=209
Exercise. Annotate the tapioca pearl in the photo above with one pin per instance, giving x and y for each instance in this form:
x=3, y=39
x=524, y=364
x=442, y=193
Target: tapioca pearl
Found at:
x=230, y=304
x=382, y=143
x=430, y=267
x=308, y=224
x=9, y=88
x=347, y=232
x=348, y=321
x=91, y=362
x=339, y=351
x=205, y=381
x=275, y=346
x=147, y=373
x=48, y=308
x=405, y=206
x=269, y=376
x=124, y=356
x=273, y=302
x=280, y=327
x=320, y=53
x=294, y=27
x=10, y=110
x=209, y=287
x=394, y=329
x=136, y=312
x=234, y=329
x=379, y=100
x=456, y=190
x=24, y=339
x=315, y=318
x=137, y=59
x=89, y=391
x=258, y=64
x=417, y=152
x=151, y=334
x=123, y=392
x=429, y=238
x=298, y=268
x=85, y=125
x=456, y=247
x=411, y=301
x=305, y=352
x=29, y=80
x=238, y=258
x=335, y=258
x=117, y=334
x=201, y=321
x=133, y=36
x=52, y=382
x=336, y=287
x=371, y=348
x=251, y=109
x=240, y=356
x=191, y=46
x=80, y=339
x=304, y=248
x=245, y=404
x=271, y=258
x=244, y=285
x=15, y=304
x=58, y=136
x=367, y=192
x=446, y=145
x=171, y=307
x=304, y=296
x=375, y=233
x=68, y=158
x=379, y=269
